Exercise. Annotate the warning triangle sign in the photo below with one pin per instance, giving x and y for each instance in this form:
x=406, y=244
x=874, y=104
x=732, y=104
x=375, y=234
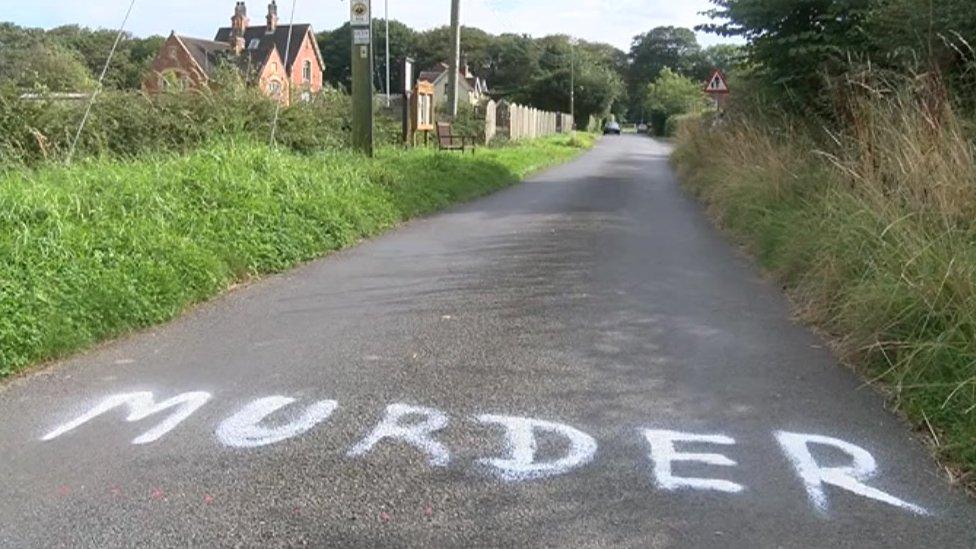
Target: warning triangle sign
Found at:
x=717, y=83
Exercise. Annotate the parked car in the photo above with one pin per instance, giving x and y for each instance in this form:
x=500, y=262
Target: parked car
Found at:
x=611, y=128
x=642, y=128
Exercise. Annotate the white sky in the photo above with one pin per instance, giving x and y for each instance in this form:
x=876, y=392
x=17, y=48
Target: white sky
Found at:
x=612, y=21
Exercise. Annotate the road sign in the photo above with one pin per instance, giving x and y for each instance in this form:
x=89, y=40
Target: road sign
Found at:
x=717, y=84
x=360, y=37
x=359, y=13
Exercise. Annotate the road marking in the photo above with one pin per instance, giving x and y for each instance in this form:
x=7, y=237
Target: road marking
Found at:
x=141, y=405
x=417, y=425
x=243, y=429
x=521, y=441
x=663, y=454
x=797, y=449
x=416, y=434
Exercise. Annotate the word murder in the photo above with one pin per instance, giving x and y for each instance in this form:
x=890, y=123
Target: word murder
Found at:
x=418, y=426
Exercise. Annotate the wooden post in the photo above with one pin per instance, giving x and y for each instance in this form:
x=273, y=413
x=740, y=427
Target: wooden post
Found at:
x=362, y=76
x=455, y=60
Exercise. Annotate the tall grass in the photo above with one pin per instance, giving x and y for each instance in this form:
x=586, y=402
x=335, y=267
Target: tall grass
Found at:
x=106, y=246
x=873, y=228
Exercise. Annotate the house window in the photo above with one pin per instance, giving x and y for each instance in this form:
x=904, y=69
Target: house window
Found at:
x=274, y=67
x=274, y=88
x=255, y=42
x=307, y=72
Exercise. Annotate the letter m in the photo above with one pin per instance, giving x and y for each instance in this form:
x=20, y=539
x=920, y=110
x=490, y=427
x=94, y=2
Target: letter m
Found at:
x=141, y=405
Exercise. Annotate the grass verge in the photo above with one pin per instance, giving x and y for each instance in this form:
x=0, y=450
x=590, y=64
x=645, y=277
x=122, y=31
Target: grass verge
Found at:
x=874, y=235
x=104, y=247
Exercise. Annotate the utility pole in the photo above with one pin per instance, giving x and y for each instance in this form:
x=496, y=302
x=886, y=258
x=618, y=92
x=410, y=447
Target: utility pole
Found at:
x=387, y=17
x=361, y=21
x=452, y=77
x=572, y=82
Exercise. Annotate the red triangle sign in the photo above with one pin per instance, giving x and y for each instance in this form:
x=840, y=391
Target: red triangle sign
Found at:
x=717, y=83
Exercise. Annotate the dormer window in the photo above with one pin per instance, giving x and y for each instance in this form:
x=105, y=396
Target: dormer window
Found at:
x=307, y=72
x=255, y=42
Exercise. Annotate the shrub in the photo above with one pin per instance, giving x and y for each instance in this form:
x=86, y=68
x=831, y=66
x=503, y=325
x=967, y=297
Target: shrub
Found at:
x=127, y=124
x=873, y=229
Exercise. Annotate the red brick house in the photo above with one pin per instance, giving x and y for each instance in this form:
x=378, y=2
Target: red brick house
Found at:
x=257, y=52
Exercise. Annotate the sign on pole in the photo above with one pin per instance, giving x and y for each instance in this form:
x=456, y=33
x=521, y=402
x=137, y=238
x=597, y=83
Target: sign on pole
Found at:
x=359, y=13
x=717, y=87
x=717, y=83
x=362, y=79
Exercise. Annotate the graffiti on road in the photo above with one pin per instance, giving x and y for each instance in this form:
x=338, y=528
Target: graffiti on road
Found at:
x=419, y=426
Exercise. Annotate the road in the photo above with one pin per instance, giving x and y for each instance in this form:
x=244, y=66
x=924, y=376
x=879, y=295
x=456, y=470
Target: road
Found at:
x=581, y=360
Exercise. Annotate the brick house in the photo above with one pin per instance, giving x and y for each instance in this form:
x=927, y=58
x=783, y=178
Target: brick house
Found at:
x=257, y=52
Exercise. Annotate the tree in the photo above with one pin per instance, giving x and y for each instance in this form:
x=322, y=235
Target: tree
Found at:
x=513, y=59
x=402, y=40
x=795, y=42
x=434, y=46
x=672, y=94
x=598, y=85
x=29, y=60
x=129, y=64
x=336, y=47
x=672, y=47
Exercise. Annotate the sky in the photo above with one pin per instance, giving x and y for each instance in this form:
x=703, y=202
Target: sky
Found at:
x=612, y=21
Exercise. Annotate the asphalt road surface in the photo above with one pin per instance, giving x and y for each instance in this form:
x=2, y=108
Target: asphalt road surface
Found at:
x=577, y=361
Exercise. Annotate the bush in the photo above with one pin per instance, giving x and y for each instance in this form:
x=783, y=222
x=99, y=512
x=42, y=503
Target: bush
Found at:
x=873, y=230
x=127, y=124
x=677, y=121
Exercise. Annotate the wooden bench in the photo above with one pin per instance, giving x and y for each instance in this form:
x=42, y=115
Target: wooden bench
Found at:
x=447, y=141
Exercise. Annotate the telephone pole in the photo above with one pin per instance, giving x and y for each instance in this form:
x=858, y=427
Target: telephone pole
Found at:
x=361, y=21
x=452, y=77
x=572, y=82
x=387, y=18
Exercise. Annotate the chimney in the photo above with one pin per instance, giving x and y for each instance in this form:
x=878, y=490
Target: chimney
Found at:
x=272, y=17
x=238, y=24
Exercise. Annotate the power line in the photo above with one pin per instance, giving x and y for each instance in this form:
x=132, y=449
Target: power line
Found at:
x=98, y=86
x=291, y=30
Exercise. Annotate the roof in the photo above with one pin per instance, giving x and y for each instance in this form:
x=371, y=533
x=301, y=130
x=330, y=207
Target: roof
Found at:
x=278, y=39
x=433, y=73
x=206, y=53
x=438, y=70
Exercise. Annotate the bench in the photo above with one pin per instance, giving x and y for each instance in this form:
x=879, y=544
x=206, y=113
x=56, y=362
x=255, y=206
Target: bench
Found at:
x=447, y=141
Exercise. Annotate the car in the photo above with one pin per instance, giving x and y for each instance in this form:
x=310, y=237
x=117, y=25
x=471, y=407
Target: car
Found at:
x=611, y=128
x=642, y=128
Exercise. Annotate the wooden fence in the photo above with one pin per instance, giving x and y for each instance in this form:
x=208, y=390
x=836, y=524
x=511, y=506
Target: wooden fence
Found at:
x=518, y=122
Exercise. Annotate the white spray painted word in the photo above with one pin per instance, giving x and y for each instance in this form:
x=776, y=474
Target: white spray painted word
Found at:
x=417, y=426
x=520, y=434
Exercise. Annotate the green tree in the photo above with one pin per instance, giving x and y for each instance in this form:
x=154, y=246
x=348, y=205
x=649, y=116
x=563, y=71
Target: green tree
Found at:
x=794, y=43
x=650, y=52
x=129, y=64
x=513, y=60
x=598, y=85
x=29, y=60
x=434, y=46
x=672, y=94
x=402, y=40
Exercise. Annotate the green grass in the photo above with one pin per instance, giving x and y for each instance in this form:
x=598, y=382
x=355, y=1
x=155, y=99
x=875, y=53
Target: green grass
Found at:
x=875, y=237
x=105, y=247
